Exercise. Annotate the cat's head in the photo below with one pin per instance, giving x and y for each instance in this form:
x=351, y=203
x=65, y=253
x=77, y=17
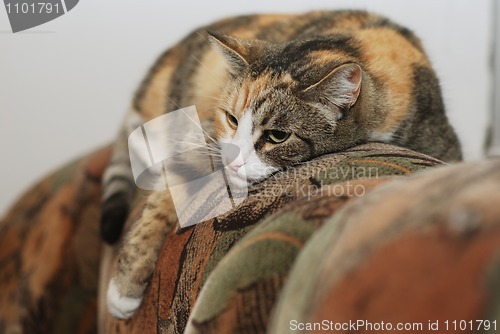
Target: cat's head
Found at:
x=282, y=103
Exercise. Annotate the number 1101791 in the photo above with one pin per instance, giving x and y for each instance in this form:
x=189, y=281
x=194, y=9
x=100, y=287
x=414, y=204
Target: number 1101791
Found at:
x=32, y=8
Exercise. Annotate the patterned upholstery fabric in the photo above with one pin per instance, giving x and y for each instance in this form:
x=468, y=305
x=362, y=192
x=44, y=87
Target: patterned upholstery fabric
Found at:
x=347, y=235
x=50, y=253
x=422, y=249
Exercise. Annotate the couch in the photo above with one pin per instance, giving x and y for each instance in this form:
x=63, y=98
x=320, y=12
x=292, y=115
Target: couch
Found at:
x=374, y=236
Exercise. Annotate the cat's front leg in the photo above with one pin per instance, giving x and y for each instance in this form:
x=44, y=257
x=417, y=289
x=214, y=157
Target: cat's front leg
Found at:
x=138, y=256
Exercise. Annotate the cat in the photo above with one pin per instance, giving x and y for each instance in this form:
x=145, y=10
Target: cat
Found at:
x=285, y=89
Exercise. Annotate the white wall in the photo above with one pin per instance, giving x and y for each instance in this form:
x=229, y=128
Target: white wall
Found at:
x=65, y=85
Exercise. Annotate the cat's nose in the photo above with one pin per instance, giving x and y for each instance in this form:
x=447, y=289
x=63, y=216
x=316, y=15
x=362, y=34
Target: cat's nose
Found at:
x=235, y=165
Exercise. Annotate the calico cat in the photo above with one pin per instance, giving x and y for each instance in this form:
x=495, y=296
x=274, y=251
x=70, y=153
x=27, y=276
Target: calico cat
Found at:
x=285, y=89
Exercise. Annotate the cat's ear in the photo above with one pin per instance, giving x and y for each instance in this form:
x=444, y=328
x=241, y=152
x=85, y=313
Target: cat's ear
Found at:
x=341, y=86
x=237, y=52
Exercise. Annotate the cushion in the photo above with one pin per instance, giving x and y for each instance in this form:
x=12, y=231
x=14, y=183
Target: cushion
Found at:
x=419, y=249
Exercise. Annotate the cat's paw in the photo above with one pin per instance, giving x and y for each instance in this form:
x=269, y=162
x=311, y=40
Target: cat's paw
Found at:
x=119, y=306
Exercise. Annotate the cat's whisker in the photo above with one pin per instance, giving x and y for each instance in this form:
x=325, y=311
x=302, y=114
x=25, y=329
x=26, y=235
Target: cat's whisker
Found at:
x=196, y=161
x=203, y=150
x=199, y=61
x=196, y=123
x=208, y=97
x=203, y=142
x=204, y=154
x=198, y=143
x=201, y=35
x=192, y=143
x=198, y=126
x=207, y=67
x=215, y=145
x=213, y=107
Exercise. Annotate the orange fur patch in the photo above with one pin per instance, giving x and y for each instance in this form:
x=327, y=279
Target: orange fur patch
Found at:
x=155, y=98
x=390, y=58
x=208, y=82
x=261, y=22
x=322, y=57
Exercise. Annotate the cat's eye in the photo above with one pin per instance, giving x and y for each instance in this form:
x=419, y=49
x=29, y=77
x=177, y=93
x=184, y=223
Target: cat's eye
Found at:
x=233, y=122
x=276, y=137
